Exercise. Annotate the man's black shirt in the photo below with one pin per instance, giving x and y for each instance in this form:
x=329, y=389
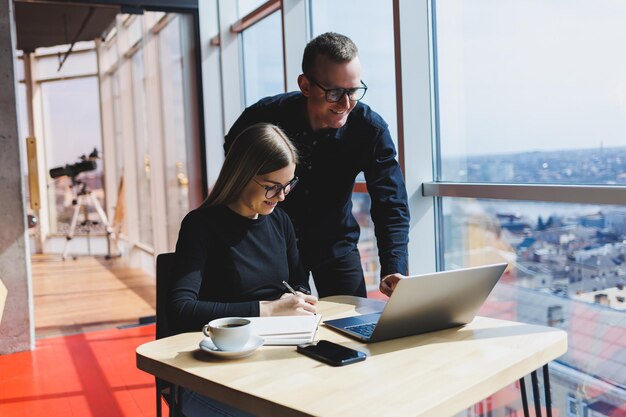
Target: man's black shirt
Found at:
x=330, y=160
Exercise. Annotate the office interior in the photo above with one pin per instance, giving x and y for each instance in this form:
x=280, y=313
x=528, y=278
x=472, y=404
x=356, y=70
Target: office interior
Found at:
x=508, y=119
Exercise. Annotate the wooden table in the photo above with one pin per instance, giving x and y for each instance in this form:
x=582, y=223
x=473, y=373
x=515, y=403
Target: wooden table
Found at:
x=434, y=374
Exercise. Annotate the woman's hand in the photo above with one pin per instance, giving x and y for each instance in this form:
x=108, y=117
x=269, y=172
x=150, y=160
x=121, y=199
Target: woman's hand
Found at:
x=289, y=305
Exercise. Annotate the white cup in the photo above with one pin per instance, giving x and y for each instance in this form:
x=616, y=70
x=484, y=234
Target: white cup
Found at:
x=229, y=333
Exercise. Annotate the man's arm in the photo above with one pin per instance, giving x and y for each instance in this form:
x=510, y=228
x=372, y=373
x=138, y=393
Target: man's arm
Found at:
x=390, y=211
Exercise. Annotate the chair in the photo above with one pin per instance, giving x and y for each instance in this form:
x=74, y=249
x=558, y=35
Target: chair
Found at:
x=169, y=391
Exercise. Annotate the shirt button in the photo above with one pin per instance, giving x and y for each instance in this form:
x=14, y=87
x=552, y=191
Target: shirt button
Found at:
x=314, y=142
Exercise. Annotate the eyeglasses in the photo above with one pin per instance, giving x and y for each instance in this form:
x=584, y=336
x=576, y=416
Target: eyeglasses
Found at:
x=272, y=191
x=333, y=95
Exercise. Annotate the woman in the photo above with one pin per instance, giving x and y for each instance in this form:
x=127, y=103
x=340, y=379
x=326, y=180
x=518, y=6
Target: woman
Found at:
x=236, y=249
x=234, y=252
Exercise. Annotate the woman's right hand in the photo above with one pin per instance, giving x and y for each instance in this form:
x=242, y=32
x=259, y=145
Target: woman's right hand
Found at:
x=289, y=305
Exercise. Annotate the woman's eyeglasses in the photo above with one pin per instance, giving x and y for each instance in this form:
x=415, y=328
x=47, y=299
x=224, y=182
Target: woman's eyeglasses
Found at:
x=272, y=191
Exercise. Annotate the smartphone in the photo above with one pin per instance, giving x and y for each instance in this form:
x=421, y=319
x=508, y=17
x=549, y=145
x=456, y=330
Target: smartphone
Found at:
x=332, y=353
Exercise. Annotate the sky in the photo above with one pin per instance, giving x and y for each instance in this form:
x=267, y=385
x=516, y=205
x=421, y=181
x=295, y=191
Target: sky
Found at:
x=531, y=75
x=514, y=76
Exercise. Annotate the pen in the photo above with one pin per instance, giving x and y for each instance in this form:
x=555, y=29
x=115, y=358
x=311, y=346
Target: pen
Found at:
x=291, y=290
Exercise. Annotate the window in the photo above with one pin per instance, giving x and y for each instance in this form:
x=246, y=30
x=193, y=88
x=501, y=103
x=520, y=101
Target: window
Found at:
x=361, y=204
x=562, y=266
x=533, y=93
x=70, y=130
x=142, y=146
x=377, y=57
x=82, y=61
x=375, y=47
x=572, y=406
x=247, y=6
x=555, y=315
x=534, y=89
x=263, y=59
x=174, y=130
x=116, y=103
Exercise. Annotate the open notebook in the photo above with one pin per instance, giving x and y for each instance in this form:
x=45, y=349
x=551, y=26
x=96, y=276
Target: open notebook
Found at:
x=286, y=330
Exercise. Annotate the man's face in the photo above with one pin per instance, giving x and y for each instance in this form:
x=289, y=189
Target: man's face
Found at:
x=329, y=74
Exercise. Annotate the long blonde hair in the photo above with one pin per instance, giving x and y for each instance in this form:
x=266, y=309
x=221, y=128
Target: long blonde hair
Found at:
x=260, y=149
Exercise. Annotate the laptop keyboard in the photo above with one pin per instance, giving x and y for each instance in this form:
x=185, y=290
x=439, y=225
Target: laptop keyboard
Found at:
x=365, y=329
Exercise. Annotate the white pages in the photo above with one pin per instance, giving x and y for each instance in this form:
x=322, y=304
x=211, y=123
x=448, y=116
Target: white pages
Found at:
x=286, y=330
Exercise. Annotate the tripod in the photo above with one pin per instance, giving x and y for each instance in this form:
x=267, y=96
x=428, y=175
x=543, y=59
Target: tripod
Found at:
x=83, y=199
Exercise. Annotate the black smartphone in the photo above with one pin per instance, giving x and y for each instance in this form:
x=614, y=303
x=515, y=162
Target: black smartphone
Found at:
x=332, y=353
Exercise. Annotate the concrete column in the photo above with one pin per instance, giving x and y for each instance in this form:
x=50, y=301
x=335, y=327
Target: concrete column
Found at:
x=16, y=311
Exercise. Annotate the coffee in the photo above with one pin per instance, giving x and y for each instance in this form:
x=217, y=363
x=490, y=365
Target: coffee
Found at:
x=228, y=333
x=229, y=325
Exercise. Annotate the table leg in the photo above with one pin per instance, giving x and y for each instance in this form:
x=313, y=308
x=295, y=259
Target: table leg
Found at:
x=522, y=386
x=546, y=387
x=535, y=382
x=159, y=412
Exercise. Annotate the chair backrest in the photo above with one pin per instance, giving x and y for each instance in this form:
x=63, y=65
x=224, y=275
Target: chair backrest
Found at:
x=164, y=267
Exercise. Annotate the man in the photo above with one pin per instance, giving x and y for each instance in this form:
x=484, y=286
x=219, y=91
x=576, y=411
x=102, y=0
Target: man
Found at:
x=338, y=137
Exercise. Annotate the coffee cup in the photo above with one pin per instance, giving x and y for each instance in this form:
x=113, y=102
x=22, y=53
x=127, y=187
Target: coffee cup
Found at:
x=229, y=333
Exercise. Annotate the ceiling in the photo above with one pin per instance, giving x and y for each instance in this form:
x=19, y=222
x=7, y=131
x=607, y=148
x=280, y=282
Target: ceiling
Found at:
x=40, y=24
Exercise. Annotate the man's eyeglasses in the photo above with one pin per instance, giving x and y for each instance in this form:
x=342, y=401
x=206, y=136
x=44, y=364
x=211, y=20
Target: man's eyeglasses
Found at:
x=272, y=191
x=333, y=95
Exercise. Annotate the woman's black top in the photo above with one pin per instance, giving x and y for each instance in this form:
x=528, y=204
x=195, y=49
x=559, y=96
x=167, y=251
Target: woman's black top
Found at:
x=226, y=263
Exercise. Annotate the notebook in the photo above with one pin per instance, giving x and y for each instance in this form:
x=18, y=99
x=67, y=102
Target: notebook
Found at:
x=425, y=303
x=286, y=330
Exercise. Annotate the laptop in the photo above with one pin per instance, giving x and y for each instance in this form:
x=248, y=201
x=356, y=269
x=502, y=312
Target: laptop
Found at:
x=425, y=303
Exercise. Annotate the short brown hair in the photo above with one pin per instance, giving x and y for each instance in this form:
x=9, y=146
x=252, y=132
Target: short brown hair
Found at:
x=338, y=48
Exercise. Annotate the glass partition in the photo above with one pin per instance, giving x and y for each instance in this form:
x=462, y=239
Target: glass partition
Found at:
x=263, y=59
x=372, y=32
x=567, y=269
x=77, y=63
x=537, y=94
x=376, y=52
x=533, y=92
x=71, y=121
x=142, y=150
x=247, y=6
x=174, y=130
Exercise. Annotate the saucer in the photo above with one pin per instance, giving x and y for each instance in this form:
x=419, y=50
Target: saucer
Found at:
x=253, y=344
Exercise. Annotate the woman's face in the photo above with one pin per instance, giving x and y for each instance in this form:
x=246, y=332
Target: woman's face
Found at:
x=252, y=202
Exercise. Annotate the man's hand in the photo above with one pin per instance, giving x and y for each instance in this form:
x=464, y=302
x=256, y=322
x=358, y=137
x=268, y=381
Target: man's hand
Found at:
x=389, y=282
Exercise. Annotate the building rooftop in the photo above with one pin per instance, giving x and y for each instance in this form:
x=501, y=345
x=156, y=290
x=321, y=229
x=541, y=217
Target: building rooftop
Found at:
x=610, y=297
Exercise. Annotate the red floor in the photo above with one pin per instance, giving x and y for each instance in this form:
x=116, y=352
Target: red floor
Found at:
x=85, y=375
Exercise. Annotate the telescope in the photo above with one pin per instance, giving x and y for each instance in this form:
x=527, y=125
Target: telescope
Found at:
x=72, y=170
